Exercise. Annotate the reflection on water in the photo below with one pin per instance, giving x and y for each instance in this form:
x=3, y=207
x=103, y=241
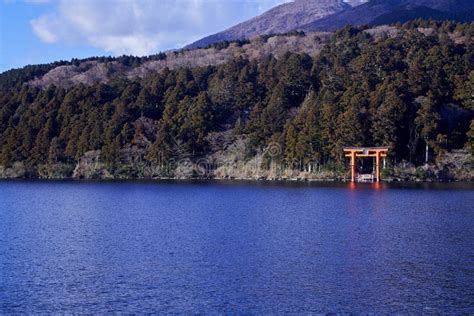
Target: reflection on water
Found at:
x=227, y=247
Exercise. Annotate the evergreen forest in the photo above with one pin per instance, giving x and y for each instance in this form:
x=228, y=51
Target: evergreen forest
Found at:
x=408, y=91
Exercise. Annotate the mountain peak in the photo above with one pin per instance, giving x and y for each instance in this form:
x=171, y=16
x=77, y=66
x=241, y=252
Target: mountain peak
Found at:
x=376, y=12
x=280, y=19
x=328, y=15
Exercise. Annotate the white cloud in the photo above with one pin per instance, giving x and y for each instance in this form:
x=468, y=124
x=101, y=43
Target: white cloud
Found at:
x=140, y=27
x=127, y=44
x=38, y=1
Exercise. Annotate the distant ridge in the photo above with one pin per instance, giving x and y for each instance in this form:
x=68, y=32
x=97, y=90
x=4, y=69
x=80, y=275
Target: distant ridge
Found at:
x=329, y=15
x=280, y=19
x=377, y=12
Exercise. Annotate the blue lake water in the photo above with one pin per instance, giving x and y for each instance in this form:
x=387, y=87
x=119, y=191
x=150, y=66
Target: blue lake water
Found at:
x=220, y=247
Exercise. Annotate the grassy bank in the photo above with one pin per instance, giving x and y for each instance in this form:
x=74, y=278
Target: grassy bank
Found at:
x=455, y=166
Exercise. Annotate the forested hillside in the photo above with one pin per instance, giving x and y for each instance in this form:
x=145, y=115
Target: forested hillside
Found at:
x=95, y=70
x=275, y=117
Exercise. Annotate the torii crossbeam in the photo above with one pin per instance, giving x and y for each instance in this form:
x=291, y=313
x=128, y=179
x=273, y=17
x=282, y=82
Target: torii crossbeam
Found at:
x=360, y=152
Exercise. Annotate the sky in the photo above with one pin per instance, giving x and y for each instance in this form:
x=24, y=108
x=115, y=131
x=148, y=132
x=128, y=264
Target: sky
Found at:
x=43, y=31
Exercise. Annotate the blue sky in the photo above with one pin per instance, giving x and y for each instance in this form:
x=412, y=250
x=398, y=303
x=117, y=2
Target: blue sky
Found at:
x=43, y=31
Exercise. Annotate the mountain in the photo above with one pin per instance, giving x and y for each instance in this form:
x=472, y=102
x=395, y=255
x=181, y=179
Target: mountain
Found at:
x=329, y=15
x=281, y=19
x=377, y=12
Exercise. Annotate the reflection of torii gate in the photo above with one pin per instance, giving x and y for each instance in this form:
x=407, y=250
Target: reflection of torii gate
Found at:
x=356, y=152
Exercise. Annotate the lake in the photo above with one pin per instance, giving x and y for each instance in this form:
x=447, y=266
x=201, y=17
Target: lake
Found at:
x=235, y=248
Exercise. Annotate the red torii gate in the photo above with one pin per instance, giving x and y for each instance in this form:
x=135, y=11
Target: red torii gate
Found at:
x=361, y=152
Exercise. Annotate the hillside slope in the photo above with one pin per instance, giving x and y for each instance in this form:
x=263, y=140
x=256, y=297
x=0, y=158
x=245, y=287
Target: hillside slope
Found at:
x=102, y=70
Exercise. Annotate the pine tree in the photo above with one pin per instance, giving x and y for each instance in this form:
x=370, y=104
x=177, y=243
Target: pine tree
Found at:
x=43, y=139
x=427, y=120
x=55, y=153
x=199, y=123
x=388, y=118
x=291, y=140
x=275, y=114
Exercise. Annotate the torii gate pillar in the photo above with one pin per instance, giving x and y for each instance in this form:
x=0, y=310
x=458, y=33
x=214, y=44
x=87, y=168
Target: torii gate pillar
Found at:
x=353, y=166
x=377, y=166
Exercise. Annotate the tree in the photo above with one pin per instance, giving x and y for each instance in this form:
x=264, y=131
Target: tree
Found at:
x=199, y=122
x=55, y=152
x=303, y=144
x=427, y=120
x=291, y=141
x=43, y=139
x=388, y=119
x=275, y=114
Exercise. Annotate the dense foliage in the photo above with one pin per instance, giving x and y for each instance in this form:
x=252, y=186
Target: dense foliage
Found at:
x=401, y=91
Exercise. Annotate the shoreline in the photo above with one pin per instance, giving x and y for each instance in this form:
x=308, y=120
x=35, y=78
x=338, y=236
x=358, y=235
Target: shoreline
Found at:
x=235, y=180
x=242, y=183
